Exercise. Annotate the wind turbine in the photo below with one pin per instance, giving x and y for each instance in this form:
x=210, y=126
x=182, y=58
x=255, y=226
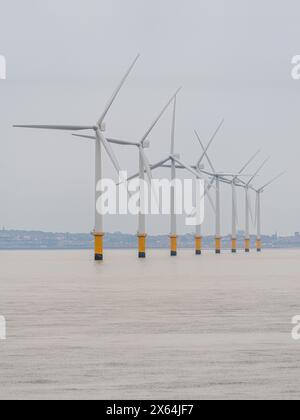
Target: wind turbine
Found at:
x=199, y=169
x=248, y=209
x=101, y=141
x=175, y=161
x=218, y=177
x=258, y=210
x=144, y=167
x=234, y=185
x=198, y=234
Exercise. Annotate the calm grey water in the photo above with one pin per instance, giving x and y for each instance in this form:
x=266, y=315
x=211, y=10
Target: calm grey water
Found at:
x=192, y=328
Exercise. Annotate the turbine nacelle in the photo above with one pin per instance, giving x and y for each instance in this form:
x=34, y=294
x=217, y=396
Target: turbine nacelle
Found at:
x=103, y=127
x=200, y=167
x=175, y=156
x=146, y=144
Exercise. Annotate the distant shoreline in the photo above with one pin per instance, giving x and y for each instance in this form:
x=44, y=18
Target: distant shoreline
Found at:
x=22, y=240
x=133, y=249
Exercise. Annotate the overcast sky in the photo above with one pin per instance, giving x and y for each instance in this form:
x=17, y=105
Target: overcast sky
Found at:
x=64, y=58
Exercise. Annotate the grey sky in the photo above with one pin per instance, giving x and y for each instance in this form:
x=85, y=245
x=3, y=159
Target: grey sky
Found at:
x=64, y=58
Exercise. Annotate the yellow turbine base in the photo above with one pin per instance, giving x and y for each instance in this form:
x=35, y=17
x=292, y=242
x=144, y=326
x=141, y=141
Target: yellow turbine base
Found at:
x=198, y=245
x=99, y=246
x=234, y=245
x=258, y=245
x=173, y=245
x=247, y=245
x=218, y=245
x=142, y=245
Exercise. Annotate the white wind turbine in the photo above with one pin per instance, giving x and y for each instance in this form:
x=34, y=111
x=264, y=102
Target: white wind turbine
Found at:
x=234, y=185
x=199, y=169
x=144, y=167
x=248, y=208
x=101, y=141
x=175, y=161
x=258, y=220
x=217, y=177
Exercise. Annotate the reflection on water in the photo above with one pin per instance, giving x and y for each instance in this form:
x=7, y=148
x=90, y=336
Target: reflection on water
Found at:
x=191, y=328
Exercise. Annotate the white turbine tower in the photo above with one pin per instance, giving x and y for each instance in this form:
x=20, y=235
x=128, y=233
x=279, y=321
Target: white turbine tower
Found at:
x=101, y=141
x=258, y=220
x=144, y=167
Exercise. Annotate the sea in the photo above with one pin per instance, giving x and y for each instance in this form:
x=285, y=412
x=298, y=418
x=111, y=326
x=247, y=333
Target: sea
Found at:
x=207, y=327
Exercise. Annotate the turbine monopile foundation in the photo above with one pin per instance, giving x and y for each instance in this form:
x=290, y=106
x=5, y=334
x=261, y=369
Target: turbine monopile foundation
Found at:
x=173, y=245
x=98, y=246
x=198, y=245
x=142, y=238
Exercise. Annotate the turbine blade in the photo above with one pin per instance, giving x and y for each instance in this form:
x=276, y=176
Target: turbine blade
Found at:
x=57, y=127
x=152, y=167
x=160, y=164
x=147, y=166
x=136, y=175
x=109, y=151
x=112, y=141
x=187, y=167
x=159, y=117
x=203, y=171
x=115, y=94
x=210, y=141
x=122, y=142
x=259, y=169
x=249, y=162
x=272, y=181
x=173, y=127
x=224, y=174
x=205, y=153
